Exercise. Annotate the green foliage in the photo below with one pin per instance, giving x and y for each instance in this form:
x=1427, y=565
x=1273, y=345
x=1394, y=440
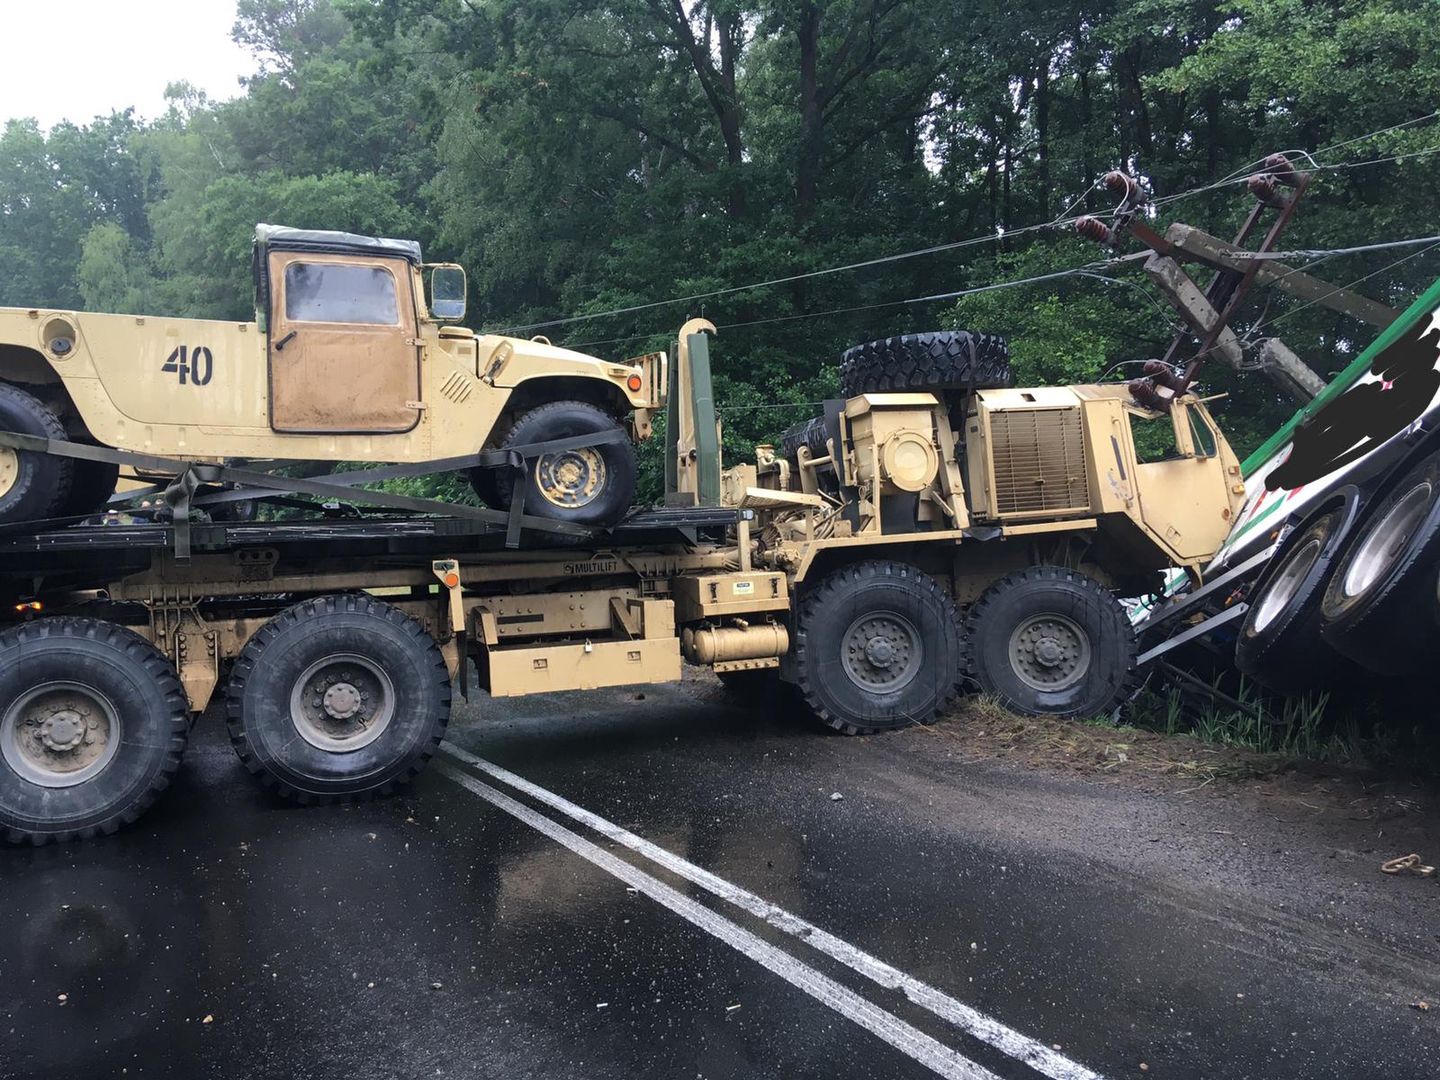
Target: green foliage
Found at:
x=582, y=158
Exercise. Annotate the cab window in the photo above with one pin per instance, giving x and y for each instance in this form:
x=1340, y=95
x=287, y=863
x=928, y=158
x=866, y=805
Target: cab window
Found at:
x=1201, y=434
x=337, y=293
x=1154, y=438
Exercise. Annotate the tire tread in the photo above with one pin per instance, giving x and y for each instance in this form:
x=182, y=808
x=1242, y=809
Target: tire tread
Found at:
x=158, y=667
x=299, y=613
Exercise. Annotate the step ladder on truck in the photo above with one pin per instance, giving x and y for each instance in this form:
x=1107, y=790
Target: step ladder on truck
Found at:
x=935, y=529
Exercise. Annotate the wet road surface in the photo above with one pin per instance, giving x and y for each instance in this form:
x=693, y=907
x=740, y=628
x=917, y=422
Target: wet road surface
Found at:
x=662, y=885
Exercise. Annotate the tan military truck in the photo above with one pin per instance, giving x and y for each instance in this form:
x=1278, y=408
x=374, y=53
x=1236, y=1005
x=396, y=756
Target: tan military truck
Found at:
x=1038, y=508
x=348, y=360
x=933, y=527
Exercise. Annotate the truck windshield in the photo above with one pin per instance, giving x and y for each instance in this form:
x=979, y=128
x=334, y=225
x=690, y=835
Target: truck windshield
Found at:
x=334, y=292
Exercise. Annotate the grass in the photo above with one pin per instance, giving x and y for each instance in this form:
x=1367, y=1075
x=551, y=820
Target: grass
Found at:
x=1309, y=727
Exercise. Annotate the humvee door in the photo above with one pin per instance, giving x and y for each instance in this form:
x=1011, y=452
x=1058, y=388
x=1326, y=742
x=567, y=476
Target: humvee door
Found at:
x=342, y=350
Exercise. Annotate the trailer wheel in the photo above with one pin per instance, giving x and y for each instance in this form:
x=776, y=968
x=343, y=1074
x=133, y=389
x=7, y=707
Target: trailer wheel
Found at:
x=1375, y=609
x=336, y=697
x=1050, y=641
x=93, y=721
x=588, y=486
x=1279, y=644
x=935, y=361
x=877, y=647
x=32, y=486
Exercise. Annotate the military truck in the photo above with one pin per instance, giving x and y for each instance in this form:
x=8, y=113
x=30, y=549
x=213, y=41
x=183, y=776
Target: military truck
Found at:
x=348, y=359
x=934, y=529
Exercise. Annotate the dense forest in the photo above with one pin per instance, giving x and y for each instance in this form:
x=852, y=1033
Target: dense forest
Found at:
x=581, y=158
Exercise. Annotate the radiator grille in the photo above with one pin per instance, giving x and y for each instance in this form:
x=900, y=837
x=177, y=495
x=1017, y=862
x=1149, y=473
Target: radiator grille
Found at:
x=1039, y=461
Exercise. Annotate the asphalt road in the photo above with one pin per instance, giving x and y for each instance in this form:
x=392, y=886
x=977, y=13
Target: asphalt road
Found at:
x=663, y=885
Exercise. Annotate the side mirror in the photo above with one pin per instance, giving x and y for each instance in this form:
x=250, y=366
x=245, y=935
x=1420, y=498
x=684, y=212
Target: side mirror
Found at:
x=447, y=293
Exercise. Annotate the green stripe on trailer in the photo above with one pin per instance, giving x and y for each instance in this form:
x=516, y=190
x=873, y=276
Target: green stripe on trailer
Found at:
x=1423, y=305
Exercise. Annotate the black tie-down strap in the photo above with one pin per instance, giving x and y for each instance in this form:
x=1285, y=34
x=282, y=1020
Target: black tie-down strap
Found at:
x=189, y=476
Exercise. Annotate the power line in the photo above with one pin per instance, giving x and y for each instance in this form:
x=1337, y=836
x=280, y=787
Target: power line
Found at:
x=986, y=238
x=1088, y=270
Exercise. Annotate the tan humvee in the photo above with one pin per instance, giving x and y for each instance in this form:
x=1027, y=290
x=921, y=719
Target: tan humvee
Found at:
x=348, y=361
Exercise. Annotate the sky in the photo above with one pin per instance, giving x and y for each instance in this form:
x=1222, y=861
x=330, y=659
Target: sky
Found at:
x=78, y=59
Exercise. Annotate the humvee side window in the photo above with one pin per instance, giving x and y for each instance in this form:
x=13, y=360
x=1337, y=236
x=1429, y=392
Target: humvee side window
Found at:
x=337, y=293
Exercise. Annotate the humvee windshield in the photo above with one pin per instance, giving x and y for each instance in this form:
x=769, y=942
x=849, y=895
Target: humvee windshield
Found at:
x=333, y=292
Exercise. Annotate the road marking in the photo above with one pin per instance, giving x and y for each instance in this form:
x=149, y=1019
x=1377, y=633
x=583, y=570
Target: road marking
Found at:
x=909, y=1040
x=1033, y=1053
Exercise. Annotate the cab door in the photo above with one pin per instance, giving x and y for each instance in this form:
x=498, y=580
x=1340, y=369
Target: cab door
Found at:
x=1180, y=480
x=342, y=345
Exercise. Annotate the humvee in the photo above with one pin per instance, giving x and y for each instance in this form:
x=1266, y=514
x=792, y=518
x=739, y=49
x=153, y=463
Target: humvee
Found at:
x=348, y=359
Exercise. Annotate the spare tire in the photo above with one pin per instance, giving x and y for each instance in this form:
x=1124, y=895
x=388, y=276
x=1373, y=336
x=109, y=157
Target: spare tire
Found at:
x=808, y=433
x=940, y=360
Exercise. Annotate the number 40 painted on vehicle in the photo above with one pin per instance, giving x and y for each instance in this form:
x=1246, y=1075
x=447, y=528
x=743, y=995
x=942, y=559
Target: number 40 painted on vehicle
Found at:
x=197, y=363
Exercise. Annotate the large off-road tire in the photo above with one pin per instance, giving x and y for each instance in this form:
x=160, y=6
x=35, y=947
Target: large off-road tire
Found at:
x=338, y=697
x=589, y=486
x=32, y=486
x=93, y=721
x=91, y=485
x=939, y=360
x=877, y=647
x=1376, y=606
x=1279, y=644
x=811, y=434
x=1048, y=641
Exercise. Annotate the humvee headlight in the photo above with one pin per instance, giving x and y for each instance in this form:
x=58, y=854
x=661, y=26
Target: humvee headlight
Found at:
x=59, y=337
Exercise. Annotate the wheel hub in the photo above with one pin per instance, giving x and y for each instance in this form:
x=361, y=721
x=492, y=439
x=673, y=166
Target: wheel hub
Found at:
x=59, y=734
x=63, y=730
x=1050, y=652
x=9, y=469
x=882, y=651
x=342, y=702
x=571, y=478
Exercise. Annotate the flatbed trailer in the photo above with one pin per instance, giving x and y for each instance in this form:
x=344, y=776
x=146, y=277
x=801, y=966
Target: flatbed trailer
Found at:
x=897, y=548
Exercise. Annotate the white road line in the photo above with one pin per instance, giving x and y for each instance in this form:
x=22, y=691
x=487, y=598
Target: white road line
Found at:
x=1037, y=1055
x=909, y=1040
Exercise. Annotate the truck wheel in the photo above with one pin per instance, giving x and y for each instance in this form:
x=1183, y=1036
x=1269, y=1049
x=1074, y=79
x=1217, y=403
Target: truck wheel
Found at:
x=1279, y=643
x=877, y=647
x=93, y=721
x=1375, y=609
x=589, y=486
x=339, y=696
x=935, y=361
x=91, y=485
x=1050, y=641
x=32, y=486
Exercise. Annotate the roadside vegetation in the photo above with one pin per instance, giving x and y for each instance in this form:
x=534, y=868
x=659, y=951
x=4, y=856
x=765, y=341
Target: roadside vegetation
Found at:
x=1182, y=738
x=587, y=161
